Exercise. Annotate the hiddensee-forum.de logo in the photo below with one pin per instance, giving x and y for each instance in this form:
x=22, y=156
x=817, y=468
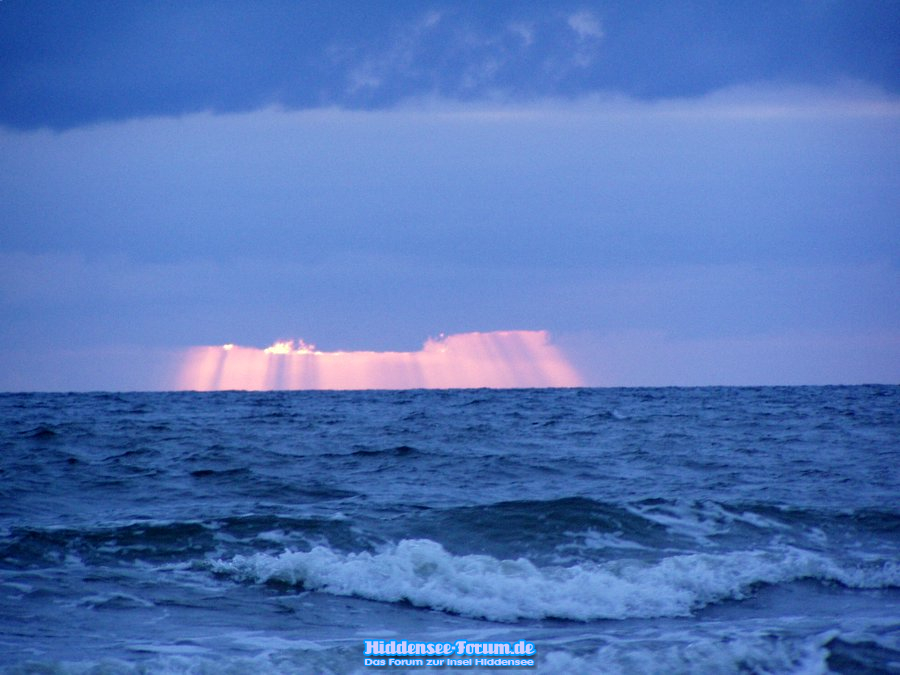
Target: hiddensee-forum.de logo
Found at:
x=458, y=653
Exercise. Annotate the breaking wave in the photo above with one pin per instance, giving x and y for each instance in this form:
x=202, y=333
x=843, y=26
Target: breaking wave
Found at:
x=422, y=573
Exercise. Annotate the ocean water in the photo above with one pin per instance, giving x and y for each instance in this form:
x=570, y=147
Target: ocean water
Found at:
x=709, y=530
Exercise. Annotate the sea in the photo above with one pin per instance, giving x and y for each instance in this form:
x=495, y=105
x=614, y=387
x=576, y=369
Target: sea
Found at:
x=669, y=530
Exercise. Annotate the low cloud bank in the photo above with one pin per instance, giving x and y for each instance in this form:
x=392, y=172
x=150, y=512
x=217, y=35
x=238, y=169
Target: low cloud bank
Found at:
x=502, y=359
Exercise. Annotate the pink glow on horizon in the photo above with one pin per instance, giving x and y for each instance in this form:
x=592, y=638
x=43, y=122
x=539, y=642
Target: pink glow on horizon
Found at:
x=502, y=359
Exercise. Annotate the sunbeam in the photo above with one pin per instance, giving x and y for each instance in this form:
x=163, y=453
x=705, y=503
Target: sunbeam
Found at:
x=501, y=359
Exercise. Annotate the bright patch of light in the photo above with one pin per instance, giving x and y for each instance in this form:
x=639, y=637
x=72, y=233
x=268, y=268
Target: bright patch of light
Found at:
x=503, y=359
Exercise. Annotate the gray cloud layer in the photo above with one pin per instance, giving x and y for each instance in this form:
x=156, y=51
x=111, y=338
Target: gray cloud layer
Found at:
x=743, y=218
x=68, y=64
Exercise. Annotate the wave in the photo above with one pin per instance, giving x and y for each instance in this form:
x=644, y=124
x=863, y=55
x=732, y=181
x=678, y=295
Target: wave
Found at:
x=422, y=573
x=547, y=532
x=577, y=528
x=398, y=451
x=713, y=652
x=40, y=433
x=728, y=651
x=168, y=541
x=716, y=655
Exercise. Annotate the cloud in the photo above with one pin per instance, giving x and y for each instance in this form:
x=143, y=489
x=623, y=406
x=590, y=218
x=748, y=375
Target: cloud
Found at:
x=739, y=175
x=133, y=60
x=750, y=213
x=524, y=31
x=653, y=358
x=68, y=278
x=401, y=59
x=586, y=25
x=762, y=101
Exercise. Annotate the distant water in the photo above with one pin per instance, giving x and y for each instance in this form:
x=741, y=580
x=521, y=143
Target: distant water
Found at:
x=710, y=530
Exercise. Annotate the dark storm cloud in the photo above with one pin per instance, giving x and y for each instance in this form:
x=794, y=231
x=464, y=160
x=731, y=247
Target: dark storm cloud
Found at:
x=65, y=64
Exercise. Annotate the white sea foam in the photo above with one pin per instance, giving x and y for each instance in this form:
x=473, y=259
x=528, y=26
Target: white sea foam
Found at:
x=423, y=573
x=710, y=654
x=701, y=520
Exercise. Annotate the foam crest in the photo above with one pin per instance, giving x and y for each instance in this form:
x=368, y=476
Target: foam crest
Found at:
x=702, y=520
x=423, y=573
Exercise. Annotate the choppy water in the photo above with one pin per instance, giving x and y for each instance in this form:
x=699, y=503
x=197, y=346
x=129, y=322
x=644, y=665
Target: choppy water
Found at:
x=621, y=530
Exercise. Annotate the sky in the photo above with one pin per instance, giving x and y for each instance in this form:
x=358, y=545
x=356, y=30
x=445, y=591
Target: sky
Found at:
x=675, y=193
